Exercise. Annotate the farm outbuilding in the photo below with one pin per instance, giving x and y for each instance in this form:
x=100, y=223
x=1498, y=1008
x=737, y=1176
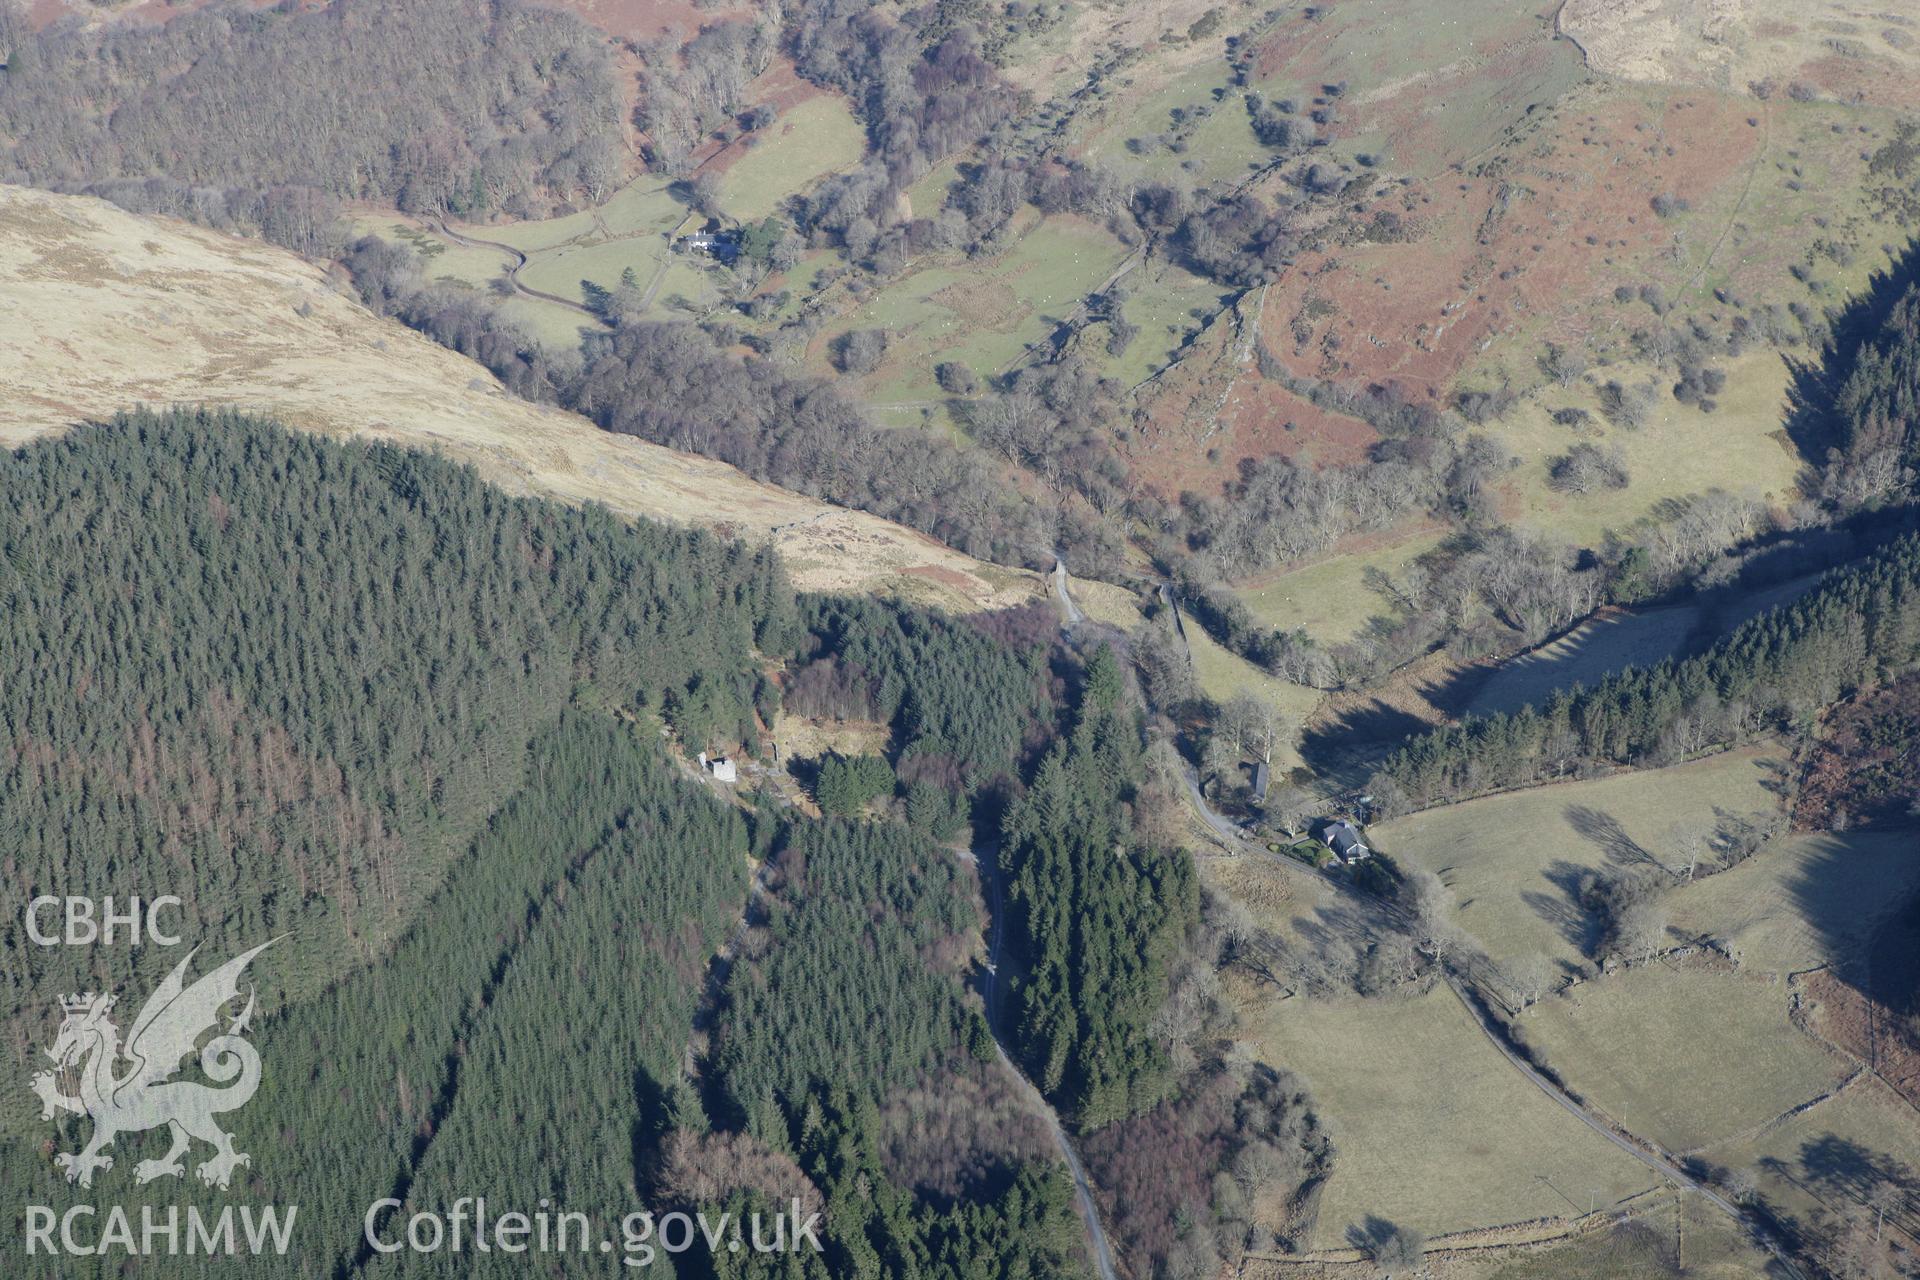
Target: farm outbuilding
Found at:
x=722, y=769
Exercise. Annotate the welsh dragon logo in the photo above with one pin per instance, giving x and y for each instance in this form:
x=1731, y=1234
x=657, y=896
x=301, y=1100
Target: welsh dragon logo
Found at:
x=129, y=1089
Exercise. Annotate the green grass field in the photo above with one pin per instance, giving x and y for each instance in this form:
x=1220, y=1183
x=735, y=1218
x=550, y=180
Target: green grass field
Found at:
x=550, y=324
x=1434, y=1129
x=1687, y=1058
x=440, y=259
x=1221, y=675
x=1219, y=147
x=1330, y=599
x=1168, y=305
x=980, y=314
x=1803, y=901
x=808, y=142
x=1512, y=860
x=929, y=193
x=564, y=270
x=641, y=207
x=628, y=232
x=1681, y=451
x=1645, y=1248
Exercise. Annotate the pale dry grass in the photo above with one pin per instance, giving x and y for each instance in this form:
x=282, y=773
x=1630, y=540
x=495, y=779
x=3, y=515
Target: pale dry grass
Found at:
x=101, y=310
x=1729, y=44
x=806, y=738
x=1269, y=890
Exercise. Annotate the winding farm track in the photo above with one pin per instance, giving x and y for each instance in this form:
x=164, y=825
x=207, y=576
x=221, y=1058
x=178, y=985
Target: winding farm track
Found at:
x=440, y=227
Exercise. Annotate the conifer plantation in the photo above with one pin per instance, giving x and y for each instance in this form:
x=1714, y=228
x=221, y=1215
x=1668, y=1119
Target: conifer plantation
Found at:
x=288, y=681
x=1098, y=916
x=1860, y=626
x=434, y=738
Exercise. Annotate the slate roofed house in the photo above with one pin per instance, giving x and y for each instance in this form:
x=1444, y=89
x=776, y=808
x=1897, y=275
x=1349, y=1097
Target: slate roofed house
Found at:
x=1262, y=779
x=721, y=245
x=1344, y=839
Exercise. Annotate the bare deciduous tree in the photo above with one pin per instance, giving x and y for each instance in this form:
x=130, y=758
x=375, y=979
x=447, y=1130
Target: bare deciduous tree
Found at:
x=1642, y=931
x=1431, y=904
x=1253, y=724
x=1691, y=842
x=1529, y=976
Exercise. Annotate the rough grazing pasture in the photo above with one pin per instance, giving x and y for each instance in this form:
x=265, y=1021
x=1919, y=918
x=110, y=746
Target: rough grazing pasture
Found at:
x=816, y=138
x=1168, y=305
x=1513, y=860
x=1737, y=43
x=1054, y=59
x=1432, y=93
x=978, y=314
x=643, y=206
x=1433, y=1128
x=1216, y=142
x=1686, y=1057
x=1681, y=451
x=1739, y=447
x=1643, y=1248
x=1330, y=598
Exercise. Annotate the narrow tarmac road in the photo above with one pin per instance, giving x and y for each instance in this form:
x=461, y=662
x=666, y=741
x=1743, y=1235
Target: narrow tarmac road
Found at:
x=1098, y=1247
x=1059, y=576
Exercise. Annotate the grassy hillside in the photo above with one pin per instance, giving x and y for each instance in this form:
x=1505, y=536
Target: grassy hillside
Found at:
x=100, y=309
x=1433, y=1129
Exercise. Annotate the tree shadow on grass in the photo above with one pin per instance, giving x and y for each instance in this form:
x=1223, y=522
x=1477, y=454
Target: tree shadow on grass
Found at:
x=1603, y=830
x=1563, y=911
x=1848, y=894
x=1348, y=746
